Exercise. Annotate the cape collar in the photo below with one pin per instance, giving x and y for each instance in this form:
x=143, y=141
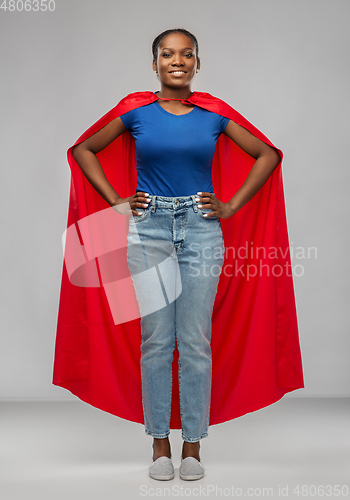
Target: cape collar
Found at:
x=190, y=100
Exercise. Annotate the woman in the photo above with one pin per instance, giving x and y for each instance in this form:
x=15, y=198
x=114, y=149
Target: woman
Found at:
x=175, y=203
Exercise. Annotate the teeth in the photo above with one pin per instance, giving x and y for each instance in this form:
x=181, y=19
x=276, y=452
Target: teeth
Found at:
x=177, y=72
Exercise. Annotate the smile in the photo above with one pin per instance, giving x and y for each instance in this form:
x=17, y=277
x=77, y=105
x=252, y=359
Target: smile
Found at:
x=177, y=72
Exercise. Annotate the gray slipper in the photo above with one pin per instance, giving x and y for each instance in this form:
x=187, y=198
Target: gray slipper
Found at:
x=191, y=469
x=162, y=469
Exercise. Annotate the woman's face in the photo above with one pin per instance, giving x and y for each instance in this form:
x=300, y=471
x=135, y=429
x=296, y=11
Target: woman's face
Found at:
x=176, y=61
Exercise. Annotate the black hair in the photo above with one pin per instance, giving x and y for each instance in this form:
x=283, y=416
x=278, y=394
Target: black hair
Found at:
x=158, y=39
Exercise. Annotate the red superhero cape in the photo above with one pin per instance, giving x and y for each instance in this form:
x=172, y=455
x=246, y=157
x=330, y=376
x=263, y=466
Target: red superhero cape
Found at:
x=256, y=356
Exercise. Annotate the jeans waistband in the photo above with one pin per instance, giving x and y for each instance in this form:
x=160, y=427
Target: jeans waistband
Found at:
x=173, y=202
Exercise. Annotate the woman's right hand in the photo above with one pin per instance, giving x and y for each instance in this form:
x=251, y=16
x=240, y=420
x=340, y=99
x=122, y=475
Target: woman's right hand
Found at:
x=140, y=199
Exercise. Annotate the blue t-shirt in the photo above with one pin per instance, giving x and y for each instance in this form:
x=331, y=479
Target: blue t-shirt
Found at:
x=174, y=152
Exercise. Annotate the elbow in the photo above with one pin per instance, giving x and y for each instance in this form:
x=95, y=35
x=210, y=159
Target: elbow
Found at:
x=77, y=151
x=271, y=157
x=276, y=158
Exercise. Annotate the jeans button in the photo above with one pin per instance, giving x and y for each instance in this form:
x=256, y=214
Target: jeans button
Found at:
x=176, y=202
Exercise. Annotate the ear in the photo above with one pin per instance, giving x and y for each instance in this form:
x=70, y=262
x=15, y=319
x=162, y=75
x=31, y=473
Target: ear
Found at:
x=154, y=65
x=198, y=63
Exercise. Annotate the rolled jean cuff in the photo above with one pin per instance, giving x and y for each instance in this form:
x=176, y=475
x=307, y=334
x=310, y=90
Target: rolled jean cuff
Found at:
x=194, y=440
x=158, y=436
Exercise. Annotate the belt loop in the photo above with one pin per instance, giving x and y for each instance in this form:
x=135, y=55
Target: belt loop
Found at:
x=194, y=202
x=153, y=207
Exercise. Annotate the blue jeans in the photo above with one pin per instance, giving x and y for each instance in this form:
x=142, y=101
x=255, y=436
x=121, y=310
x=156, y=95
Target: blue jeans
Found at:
x=175, y=257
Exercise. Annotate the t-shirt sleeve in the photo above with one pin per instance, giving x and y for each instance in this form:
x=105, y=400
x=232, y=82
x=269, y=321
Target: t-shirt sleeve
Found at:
x=223, y=122
x=128, y=119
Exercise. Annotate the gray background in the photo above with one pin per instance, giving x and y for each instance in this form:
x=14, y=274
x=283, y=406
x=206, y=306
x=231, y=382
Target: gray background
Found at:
x=282, y=64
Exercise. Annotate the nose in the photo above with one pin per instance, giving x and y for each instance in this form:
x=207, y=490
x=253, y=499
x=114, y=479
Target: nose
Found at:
x=177, y=61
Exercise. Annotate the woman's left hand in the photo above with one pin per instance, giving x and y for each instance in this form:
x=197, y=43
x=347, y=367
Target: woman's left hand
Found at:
x=219, y=208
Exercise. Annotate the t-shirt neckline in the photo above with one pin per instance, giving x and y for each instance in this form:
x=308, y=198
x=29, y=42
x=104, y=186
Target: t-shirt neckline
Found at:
x=158, y=106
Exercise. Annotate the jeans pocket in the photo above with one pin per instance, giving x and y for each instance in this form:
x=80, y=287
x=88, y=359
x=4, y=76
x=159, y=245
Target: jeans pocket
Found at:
x=145, y=211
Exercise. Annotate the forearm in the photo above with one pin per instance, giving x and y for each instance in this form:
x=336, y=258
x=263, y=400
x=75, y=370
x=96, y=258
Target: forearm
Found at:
x=258, y=175
x=92, y=169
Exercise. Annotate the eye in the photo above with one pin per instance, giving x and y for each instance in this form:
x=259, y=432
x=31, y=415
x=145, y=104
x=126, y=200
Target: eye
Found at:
x=190, y=55
x=165, y=55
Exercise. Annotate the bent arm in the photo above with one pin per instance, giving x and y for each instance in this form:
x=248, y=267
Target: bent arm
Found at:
x=267, y=159
x=85, y=155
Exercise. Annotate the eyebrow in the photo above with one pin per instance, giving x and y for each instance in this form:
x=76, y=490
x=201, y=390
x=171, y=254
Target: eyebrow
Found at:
x=187, y=48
